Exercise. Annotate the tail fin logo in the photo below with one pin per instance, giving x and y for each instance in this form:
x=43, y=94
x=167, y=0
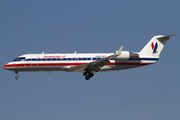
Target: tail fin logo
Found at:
x=154, y=48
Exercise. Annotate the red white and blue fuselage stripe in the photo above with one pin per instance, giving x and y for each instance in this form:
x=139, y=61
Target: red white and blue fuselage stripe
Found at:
x=64, y=62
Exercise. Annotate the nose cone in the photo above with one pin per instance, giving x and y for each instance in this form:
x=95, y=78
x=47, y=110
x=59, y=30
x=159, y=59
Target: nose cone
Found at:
x=5, y=67
x=9, y=67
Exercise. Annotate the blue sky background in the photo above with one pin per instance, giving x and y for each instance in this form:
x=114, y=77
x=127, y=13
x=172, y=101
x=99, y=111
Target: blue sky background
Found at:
x=36, y=26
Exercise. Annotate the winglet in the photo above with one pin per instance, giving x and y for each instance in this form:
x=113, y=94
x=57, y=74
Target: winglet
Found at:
x=119, y=51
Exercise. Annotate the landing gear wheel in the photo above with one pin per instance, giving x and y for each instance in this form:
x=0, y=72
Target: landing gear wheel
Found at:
x=85, y=73
x=16, y=77
x=87, y=77
x=91, y=74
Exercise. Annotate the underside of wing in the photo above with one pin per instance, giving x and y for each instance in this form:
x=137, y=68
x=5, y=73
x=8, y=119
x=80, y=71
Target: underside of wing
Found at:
x=92, y=66
x=95, y=66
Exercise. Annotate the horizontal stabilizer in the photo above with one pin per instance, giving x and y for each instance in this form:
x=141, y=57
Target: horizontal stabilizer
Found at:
x=164, y=38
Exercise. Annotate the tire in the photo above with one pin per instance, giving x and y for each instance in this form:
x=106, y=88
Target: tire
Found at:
x=16, y=77
x=85, y=73
x=87, y=77
x=91, y=74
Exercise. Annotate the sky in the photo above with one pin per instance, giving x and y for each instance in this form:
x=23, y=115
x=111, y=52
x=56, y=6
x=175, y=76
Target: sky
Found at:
x=89, y=26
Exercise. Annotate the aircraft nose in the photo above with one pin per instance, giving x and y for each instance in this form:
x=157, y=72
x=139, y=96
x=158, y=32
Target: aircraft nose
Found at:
x=5, y=67
x=9, y=66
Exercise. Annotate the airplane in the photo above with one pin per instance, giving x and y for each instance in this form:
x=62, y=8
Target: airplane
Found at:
x=90, y=63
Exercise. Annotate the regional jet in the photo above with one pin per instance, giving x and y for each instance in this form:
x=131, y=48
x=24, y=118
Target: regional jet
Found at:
x=90, y=63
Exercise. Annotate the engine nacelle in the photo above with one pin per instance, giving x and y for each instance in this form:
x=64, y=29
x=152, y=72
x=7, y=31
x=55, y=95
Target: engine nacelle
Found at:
x=125, y=55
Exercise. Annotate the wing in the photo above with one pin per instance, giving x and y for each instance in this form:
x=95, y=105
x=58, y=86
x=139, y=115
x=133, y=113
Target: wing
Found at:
x=96, y=65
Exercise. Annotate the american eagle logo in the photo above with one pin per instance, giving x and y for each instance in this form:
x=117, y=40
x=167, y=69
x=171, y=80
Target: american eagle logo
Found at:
x=154, y=47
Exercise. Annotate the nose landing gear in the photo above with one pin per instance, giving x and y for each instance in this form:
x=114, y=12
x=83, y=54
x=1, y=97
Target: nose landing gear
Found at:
x=17, y=77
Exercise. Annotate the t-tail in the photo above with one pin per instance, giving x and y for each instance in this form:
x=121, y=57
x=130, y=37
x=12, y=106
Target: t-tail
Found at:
x=154, y=47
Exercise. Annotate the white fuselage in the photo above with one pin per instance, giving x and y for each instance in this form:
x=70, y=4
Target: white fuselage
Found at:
x=64, y=62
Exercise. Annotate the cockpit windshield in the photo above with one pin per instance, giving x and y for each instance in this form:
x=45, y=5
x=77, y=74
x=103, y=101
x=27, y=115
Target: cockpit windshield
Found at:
x=19, y=59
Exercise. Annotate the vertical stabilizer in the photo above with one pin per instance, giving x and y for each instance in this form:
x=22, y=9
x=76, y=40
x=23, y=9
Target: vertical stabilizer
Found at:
x=155, y=46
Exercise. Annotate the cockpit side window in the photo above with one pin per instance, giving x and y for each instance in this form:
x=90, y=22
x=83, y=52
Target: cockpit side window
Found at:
x=19, y=59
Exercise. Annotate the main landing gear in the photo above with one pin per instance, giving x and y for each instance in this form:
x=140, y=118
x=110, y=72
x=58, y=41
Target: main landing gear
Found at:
x=88, y=75
x=17, y=77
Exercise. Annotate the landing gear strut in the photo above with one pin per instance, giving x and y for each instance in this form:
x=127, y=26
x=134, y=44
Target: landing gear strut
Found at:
x=17, y=77
x=88, y=75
